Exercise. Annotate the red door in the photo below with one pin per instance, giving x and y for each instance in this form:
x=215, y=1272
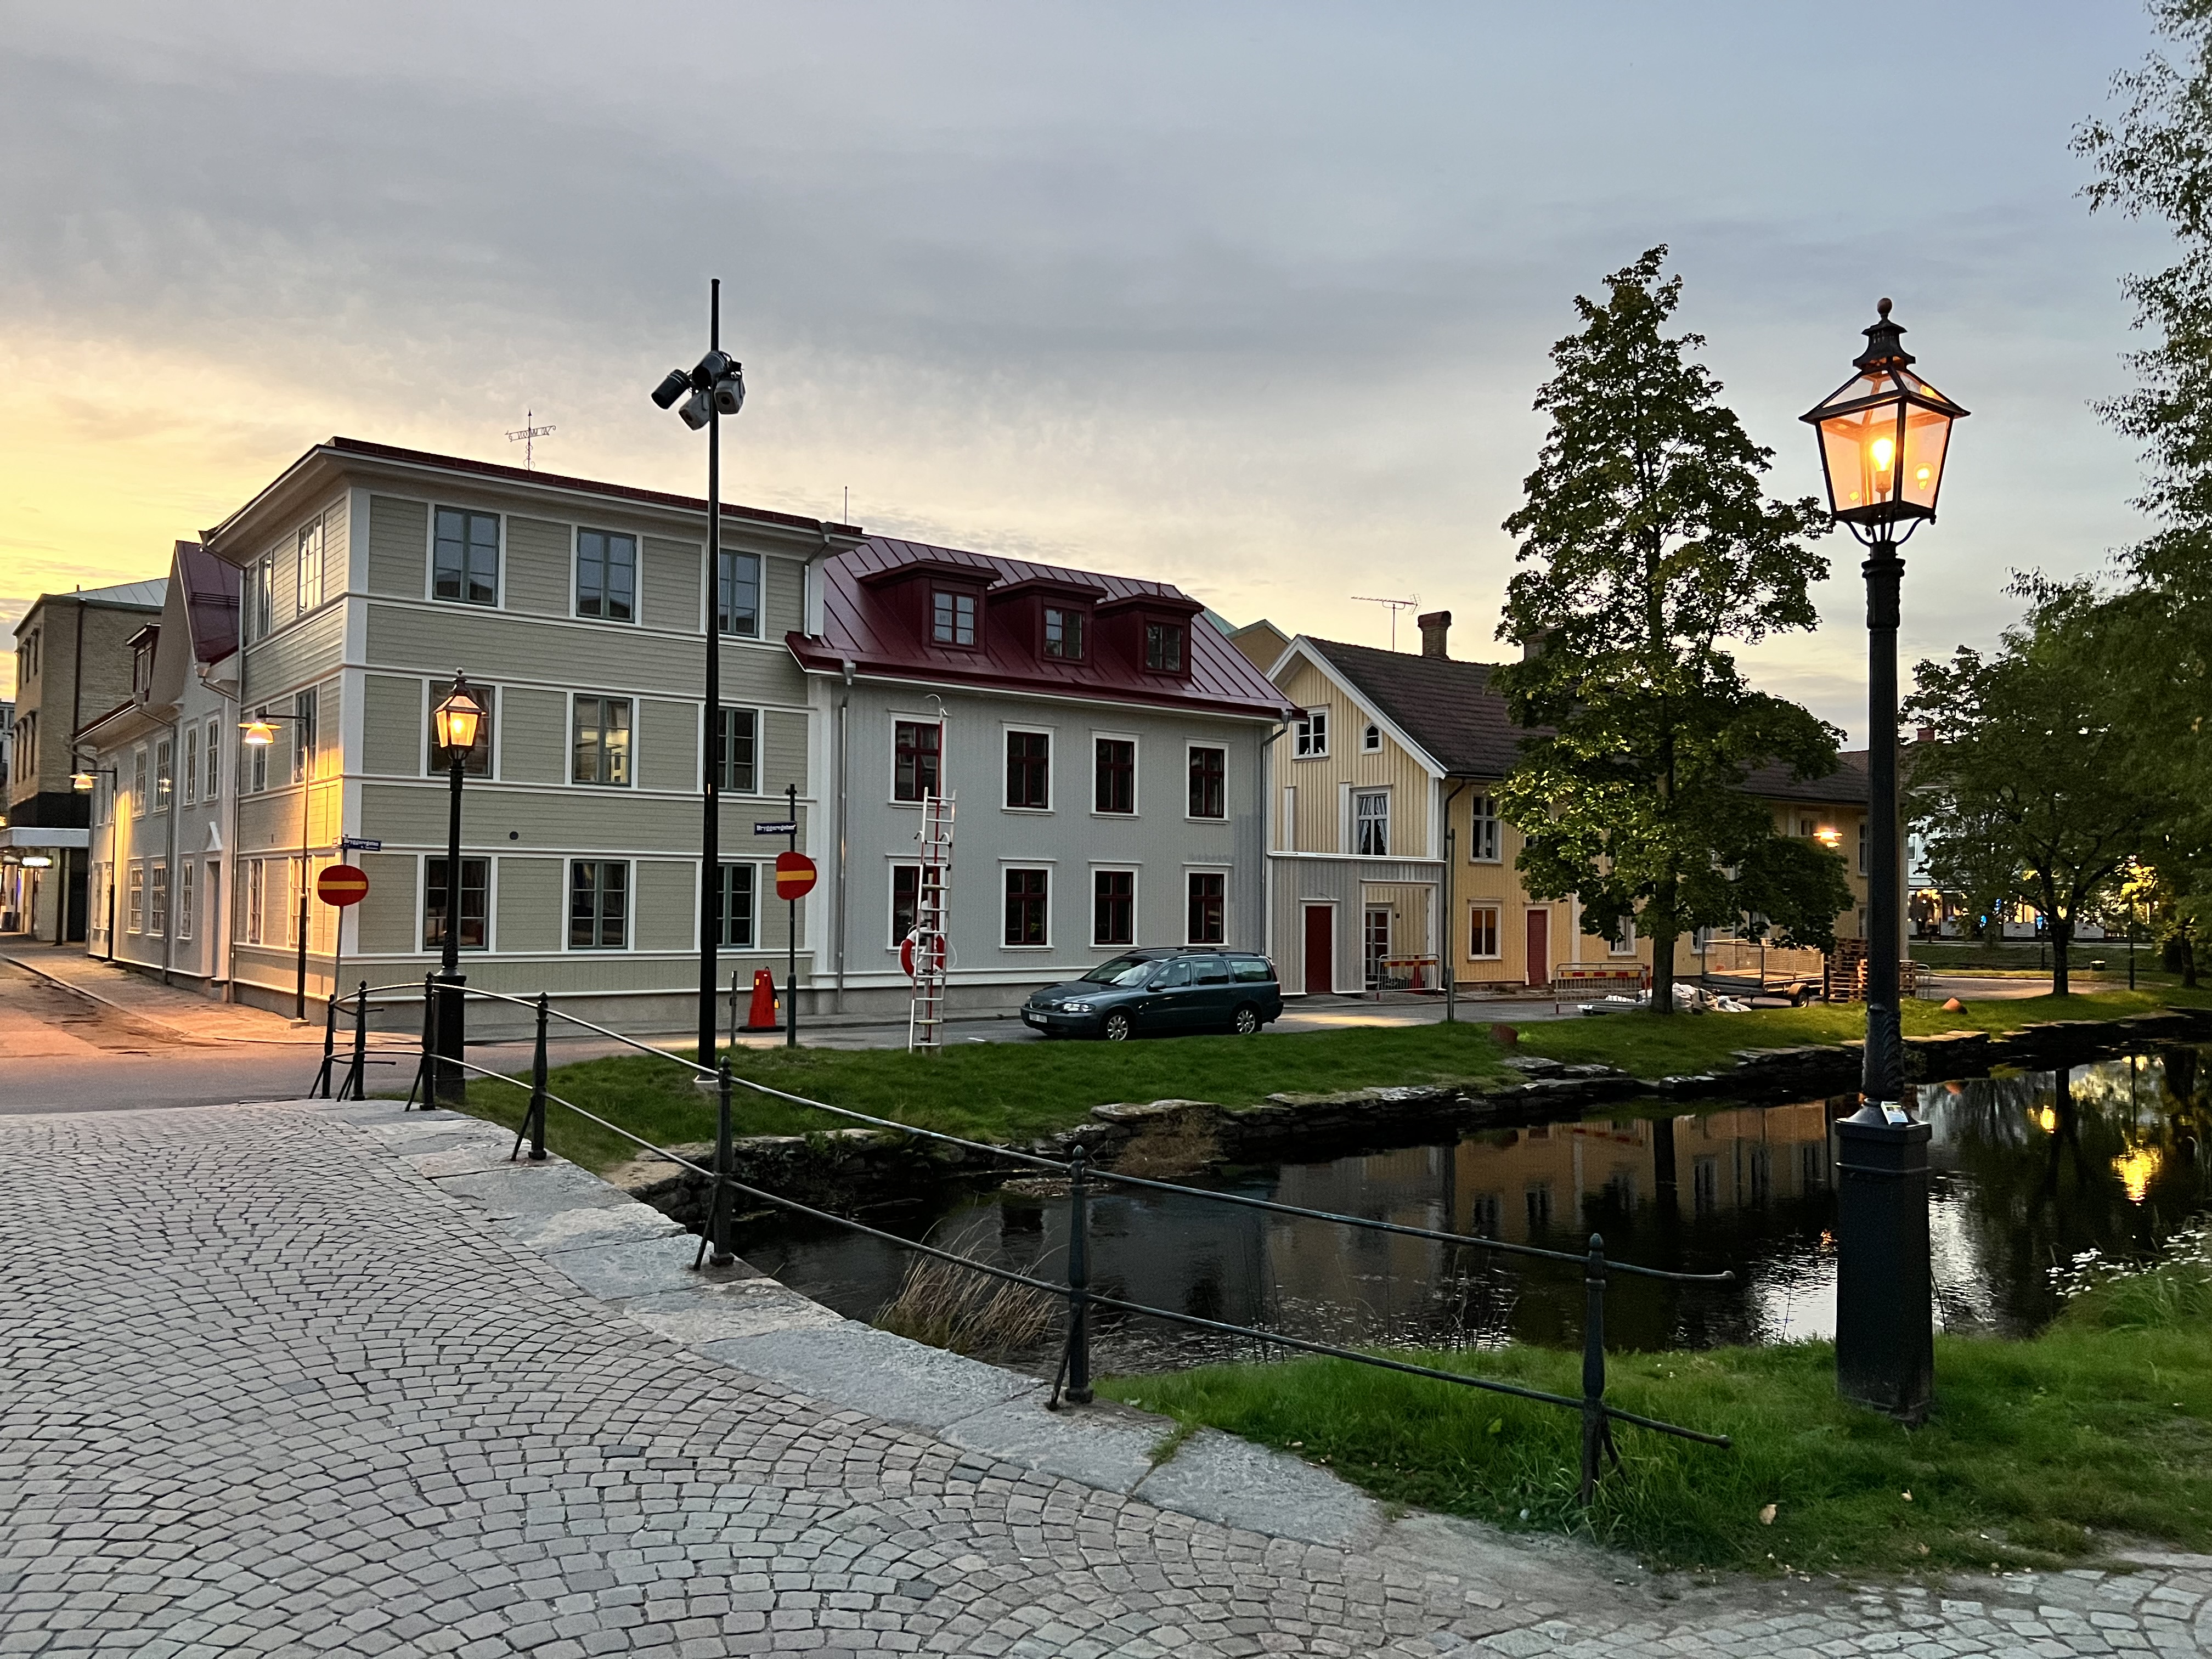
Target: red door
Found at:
x=1540, y=947
x=1321, y=949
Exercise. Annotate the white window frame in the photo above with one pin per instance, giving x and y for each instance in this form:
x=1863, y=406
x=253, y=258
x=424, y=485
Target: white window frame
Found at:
x=491, y=902
x=138, y=782
x=1043, y=867
x=1497, y=952
x=190, y=770
x=1310, y=734
x=214, y=791
x=630, y=906
x=157, y=898
x=1189, y=749
x=254, y=901
x=576, y=611
x=430, y=559
x=165, y=773
x=722, y=904
x=1623, y=943
x=891, y=795
x=1356, y=796
x=760, y=751
x=891, y=898
x=1136, y=876
x=308, y=595
x=188, y=871
x=1484, y=830
x=1191, y=870
x=575, y=725
x=1007, y=733
x=134, y=912
x=1371, y=740
x=1136, y=776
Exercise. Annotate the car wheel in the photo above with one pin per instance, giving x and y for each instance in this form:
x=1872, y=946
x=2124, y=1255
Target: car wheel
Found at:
x=1116, y=1028
x=1246, y=1020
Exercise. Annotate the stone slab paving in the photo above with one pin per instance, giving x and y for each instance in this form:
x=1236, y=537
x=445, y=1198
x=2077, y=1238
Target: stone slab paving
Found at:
x=299, y=1379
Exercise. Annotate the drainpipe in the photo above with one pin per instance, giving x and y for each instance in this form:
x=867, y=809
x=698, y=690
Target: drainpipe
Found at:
x=1266, y=840
x=1448, y=947
x=169, y=921
x=844, y=727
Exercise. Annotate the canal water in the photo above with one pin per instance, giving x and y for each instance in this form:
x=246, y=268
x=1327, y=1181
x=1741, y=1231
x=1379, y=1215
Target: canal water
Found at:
x=2034, y=1175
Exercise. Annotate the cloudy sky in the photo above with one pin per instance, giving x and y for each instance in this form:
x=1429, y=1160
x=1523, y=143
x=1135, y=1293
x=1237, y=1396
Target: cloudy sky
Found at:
x=1252, y=298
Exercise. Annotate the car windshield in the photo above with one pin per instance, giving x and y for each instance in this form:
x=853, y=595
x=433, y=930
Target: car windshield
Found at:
x=1122, y=970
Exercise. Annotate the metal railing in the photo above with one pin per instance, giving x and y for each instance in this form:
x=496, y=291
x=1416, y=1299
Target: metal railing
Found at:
x=1073, y=1380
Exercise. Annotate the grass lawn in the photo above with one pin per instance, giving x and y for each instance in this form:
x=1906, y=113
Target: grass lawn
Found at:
x=1016, y=1092
x=2039, y=1451
x=987, y=1091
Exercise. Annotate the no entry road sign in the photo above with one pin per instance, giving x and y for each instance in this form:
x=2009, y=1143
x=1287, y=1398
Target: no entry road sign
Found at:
x=795, y=875
x=342, y=884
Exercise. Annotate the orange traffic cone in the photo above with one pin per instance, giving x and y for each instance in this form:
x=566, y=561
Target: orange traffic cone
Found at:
x=763, y=1017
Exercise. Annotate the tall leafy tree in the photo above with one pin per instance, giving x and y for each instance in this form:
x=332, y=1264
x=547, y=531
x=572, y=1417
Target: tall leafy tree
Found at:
x=1646, y=541
x=2039, y=764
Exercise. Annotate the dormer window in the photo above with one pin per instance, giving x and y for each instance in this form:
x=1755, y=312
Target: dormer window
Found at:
x=1063, y=633
x=1163, y=653
x=952, y=618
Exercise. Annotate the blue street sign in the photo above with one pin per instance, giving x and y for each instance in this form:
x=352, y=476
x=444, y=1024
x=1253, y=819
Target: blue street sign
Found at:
x=364, y=845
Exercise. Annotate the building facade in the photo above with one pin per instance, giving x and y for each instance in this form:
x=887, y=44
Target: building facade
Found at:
x=1389, y=858
x=1104, y=746
x=72, y=657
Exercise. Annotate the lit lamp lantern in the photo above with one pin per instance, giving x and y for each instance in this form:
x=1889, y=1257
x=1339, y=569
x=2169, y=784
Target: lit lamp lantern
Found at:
x=259, y=735
x=1883, y=434
x=81, y=782
x=459, y=717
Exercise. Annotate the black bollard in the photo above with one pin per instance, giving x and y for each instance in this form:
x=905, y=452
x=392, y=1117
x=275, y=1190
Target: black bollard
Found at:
x=1078, y=1278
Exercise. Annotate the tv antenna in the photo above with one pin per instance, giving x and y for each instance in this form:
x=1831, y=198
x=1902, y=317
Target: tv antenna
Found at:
x=1396, y=605
x=528, y=437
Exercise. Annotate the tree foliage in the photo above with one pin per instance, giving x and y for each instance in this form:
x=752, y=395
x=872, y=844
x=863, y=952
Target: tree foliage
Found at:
x=2038, y=763
x=1646, y=541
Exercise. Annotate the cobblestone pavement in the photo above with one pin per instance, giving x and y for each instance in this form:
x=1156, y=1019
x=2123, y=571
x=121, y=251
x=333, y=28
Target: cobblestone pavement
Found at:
x=265, y=1389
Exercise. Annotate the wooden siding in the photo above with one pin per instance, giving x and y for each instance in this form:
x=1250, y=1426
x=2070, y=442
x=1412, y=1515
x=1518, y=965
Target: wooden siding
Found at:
x=329, y=727
x=398, y=533
x=292, y=657
x=531, y=903
x=783, y=597
x=586, y=822
x=337, y=552
x=668, y=745
x=1322, y=820
x=537, y=566
x=671, y=584
x=783, y=752
x=501, y=647
x=392, y=725
x=533, y=735
x=740, y=814
x=667, y=898
x=387, y=917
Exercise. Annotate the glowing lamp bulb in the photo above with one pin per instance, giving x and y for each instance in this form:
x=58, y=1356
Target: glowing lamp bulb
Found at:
x=1881, y=450
x=259, y=735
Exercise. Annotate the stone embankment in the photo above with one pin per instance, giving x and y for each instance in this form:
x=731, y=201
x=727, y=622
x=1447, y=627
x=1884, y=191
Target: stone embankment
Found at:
x=837, y=1168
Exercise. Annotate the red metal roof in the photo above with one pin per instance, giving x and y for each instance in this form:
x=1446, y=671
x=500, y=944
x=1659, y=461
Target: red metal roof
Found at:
x=862, y=624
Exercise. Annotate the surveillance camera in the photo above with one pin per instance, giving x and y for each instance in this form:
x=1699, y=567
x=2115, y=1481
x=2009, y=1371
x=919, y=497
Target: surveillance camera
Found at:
x=729, y=391
x=712, y=367
x=697, y=411
x=670, y=389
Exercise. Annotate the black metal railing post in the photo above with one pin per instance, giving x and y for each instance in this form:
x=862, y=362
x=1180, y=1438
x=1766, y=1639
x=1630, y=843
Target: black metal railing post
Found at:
x=425, y=1068
x=1078, y=1278
x=322, y=1088
x=356, y=1086
x=534, y=1124
x=1597, y=1431
x=714, y=1242
x=733, y=1007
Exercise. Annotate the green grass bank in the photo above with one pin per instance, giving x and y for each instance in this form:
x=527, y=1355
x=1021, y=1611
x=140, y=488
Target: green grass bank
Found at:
x=1016, y=1092
x=2040, y=1453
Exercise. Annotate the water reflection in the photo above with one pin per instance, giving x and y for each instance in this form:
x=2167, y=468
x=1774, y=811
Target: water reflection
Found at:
x=2030, y=1172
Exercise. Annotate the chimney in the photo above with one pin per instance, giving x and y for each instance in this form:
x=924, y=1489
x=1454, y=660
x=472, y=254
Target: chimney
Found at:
x=1434, y=625
x=1927, y=735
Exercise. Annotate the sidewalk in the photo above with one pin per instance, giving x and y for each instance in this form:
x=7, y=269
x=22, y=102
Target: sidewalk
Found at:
x=174, y=1009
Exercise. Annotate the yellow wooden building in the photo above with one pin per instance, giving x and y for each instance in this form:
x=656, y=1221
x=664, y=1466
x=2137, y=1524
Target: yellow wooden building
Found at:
x=1387, y=852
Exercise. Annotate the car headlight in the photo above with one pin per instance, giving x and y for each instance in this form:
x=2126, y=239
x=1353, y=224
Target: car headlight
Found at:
x=1074, y=1008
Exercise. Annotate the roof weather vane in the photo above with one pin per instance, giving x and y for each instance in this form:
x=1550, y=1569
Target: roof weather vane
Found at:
x=1396, y=605
x=528, y=437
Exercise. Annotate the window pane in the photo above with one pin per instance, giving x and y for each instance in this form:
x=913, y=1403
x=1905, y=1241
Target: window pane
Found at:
x=906, y=898
x=737, y=601
x=1113, y=915
x=1164, y=647
x=1028, y=768
x=1208, y=781
x=1117, y=781
x=952, y=618
x=583, y=904
x=476, y=894
x=1063, y=633
x=735, y=906
x=739, y=751
x=476, y=762
x=1208, y=908
x=614, y=904
x=1026, y=907
x=1371, y=823
x=590, y=572
x=915, y=757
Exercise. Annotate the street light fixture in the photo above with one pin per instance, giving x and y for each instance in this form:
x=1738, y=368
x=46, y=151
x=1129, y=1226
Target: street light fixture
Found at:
x=712, y=389
x=84, y=781
x=1884, y=434
x=458, y=718
x=260, y=733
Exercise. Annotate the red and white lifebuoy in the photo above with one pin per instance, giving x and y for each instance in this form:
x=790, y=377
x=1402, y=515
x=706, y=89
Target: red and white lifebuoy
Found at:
x=910, y=953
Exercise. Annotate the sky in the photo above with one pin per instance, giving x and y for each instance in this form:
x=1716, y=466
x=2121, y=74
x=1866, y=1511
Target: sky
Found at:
x=1253, y=298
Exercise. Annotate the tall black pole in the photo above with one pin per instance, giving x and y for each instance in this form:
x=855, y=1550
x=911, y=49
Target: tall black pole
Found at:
x=452, y=1037
x=710, y=782
x=1885, y=1306
x=306, y=790
x=791, y=933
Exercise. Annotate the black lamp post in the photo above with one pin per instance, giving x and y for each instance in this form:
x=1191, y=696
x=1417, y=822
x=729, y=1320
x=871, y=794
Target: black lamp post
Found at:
x=458, y=718
x=1883, y=436
x=715, y=387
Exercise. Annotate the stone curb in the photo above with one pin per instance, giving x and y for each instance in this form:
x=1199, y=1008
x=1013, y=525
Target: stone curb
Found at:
x=630, y=1256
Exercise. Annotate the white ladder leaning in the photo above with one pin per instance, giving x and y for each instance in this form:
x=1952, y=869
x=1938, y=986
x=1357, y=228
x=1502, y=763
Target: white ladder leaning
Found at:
x=925, y=1019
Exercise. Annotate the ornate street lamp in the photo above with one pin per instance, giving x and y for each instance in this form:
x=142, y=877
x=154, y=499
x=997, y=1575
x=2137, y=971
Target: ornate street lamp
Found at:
x=1884, y=436
x=714, y=387
x=458, y=718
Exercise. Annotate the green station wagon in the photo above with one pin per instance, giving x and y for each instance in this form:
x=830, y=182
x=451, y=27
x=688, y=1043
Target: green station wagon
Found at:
x=1187, y=989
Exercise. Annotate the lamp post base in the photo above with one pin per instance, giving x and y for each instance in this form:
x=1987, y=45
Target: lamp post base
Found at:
x=452, y=1078
x=1885, y=1310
